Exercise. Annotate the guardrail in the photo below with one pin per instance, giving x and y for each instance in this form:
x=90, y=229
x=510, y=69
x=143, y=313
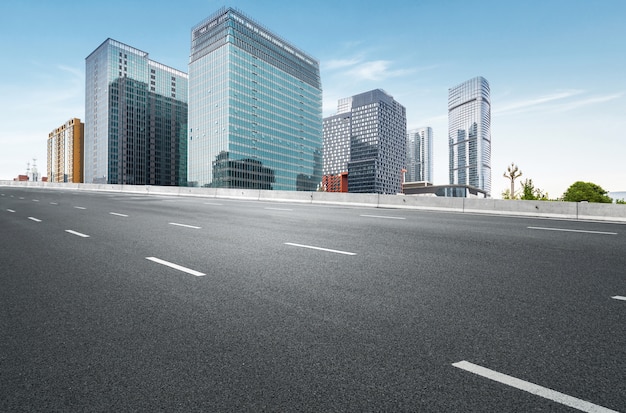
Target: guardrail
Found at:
x=549, y=209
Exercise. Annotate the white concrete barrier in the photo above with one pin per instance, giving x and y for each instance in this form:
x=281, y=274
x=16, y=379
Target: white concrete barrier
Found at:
x=599, y=212
x=550, y=209
x=286, y=196
x=344, y=198
x=421, y=202
x=248, y=194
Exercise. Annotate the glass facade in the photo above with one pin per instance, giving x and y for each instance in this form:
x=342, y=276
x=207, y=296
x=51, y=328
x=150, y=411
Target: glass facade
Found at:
x=469, y=134
x=367, y=138
x=419, y=160
x=255, y=118
x=135, y=118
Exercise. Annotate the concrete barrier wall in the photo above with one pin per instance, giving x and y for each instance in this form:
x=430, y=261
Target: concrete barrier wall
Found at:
x=421, y=202
x=551, y=209
x=527, y=208
x=344, y=198
x=286, y=196
x=248, y=194
x=595, y=211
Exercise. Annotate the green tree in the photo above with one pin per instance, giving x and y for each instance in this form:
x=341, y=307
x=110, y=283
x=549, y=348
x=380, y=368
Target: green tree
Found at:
x=529, y=192
x=586, y=191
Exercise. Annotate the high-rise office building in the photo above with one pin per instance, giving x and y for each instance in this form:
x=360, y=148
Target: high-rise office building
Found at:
x=419, y=159
x=469, y=134
x=255, y=108
x=367, y=139
x=65, y=152
x=135, y=118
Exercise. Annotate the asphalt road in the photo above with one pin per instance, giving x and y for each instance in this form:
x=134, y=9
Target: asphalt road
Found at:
x=116, y=302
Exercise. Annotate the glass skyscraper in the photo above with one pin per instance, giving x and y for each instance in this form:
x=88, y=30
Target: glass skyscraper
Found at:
x=367, y=139
x=135, y=118
x=469, y=134
x=419, y=160
x=255, y=108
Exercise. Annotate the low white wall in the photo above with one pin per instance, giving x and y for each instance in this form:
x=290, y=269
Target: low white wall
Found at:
x=551, y=209
x=344, y=198
x=421, y=202
x=595, y=211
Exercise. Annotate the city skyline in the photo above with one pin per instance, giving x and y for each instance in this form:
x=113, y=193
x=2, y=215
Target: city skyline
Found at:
x=555, y=69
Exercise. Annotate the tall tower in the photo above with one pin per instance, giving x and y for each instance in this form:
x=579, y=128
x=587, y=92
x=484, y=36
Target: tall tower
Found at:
x=255, y=118
x=65, y=152
x=419, y=160
x=367, y=139
x=469, y=134
x=135, y=118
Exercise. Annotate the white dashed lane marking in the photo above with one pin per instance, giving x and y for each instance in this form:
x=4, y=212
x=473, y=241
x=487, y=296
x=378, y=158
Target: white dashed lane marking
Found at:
x=184, y=225
x=532, y=388
x=382, y=216
x=573, y=230
x=79, y=234
x=320, y=248
x=176, y=266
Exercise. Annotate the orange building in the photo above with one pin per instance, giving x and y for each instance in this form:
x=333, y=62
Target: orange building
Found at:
x=65, y=152
x=335, y=183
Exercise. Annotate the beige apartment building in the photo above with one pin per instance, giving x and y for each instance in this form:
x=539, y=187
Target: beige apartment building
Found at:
x=65, y=152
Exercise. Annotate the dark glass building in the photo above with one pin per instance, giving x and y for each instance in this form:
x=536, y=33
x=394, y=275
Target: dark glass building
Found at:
x=367, y=139
x=135, y=119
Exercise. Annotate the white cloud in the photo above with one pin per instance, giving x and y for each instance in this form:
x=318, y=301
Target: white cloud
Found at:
x=340, y=63
x=533, y=103
x=377, y=70
x=556, y=102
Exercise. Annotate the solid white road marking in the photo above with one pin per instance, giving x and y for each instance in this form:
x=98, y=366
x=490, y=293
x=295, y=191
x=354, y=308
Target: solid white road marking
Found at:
x=79, y=207
x=619, y=297
x=535, y=389
x=118, y=214
x=319, y=248
x=185, y=225
x=77, y=233
x=381, y=216
x=176, y=266
x=574, y=230
x=34, y=219
x=10, y=210
x=279, y=209
x=212, y=203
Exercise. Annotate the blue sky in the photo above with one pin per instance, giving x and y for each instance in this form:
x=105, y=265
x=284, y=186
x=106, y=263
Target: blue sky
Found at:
x=557, y=70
